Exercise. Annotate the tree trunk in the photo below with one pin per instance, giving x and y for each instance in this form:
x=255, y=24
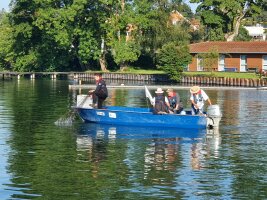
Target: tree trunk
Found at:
x=231, y=36
x=102, y=62
x=102, y=59
x=123, y=66
x=122, y=5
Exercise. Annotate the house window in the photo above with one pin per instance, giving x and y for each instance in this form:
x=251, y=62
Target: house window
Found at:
x=199, y=64
x=264, y=62
x=243, y=63
x=221, y=62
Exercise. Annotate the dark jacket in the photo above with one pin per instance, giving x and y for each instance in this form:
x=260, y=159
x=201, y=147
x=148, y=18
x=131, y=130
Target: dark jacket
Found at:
x=101, y=89
x=174, y=100
x=160, y=105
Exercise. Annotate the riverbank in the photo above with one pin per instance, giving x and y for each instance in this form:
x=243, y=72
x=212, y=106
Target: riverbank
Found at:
x=164, y=87
x=199, y=79
x=191, y=80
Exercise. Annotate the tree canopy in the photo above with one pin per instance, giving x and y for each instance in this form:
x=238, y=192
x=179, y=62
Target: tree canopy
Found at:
x=223, y=17
x=77, y=35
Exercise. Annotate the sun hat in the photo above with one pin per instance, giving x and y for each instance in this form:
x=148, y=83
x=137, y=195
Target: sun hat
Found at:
x=169, y=90
x=194, y=89
x=159, y=91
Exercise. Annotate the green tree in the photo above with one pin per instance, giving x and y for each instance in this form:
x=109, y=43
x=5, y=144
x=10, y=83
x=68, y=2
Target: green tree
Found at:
x=243, y=35
x=173, y=59
x=125, y=52
x=54, y=35
x=75, y=35
x=71, y=28
x=225, y=16
x=210, y=59
x=154, y=27
x=5, y=42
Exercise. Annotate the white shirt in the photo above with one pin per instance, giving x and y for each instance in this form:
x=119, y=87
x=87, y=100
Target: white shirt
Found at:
x=200, y=102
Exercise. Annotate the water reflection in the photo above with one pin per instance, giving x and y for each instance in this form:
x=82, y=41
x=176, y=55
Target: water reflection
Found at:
x=132, y=132
x=161, y=151
x=89, y=161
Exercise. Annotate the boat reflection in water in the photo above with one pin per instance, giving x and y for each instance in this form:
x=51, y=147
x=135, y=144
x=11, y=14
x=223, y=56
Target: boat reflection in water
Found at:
x=131, y=132
x=153, y=147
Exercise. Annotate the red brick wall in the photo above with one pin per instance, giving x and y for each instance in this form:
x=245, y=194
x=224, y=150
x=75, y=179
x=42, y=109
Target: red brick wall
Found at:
x=232, y=61
x=193, y=65
x=255, y=61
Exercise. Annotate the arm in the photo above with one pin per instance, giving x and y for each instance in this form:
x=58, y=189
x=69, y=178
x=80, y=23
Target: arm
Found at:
x=177, y=101
x=167, y=102
x=209, y=101
x=195, y=105
x=153, y=101
x=90, y=92
x=206, y=97
x=98, y=87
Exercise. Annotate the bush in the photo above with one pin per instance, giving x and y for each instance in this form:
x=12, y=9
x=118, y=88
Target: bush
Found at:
x=173, y=60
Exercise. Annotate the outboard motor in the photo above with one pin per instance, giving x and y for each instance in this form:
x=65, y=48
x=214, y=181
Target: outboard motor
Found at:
x=214, y=116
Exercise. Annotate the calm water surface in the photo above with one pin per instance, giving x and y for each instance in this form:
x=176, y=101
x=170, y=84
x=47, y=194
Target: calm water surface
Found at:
x=39, y=160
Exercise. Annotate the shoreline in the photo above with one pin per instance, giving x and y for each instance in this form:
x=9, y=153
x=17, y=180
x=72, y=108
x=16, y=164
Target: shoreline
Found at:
x=89, y=86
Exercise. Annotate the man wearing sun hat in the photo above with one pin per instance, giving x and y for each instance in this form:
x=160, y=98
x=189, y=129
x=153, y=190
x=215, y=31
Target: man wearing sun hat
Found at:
x=160, y=105
x=198, y=98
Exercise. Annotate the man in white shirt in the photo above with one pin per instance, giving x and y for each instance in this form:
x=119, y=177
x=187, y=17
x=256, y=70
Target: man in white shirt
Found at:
x=198, y=98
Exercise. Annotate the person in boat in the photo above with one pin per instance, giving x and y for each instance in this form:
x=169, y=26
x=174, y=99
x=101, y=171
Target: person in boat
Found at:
x=174, y=102
x=160, y=103
x=100, y=94
x=198, y=98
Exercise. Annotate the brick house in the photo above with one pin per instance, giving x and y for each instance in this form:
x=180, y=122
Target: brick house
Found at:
x=233, y=56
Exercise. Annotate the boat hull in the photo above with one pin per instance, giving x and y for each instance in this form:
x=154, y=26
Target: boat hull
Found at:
x=140, y=117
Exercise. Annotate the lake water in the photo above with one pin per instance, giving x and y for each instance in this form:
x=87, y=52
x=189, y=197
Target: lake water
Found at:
x=39, y=160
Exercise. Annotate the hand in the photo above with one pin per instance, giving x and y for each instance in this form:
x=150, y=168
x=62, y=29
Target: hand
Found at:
x=91, y=92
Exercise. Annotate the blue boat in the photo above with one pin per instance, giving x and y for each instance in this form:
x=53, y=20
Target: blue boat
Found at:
x=132, y=116
x=140, y=117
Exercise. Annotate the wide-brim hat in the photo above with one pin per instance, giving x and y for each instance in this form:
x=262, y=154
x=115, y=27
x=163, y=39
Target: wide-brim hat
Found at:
x=159, y=91
x=194, y=89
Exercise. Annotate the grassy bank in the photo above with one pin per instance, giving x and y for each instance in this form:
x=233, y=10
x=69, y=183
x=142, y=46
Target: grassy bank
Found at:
x=223, y=74
x=202, y=74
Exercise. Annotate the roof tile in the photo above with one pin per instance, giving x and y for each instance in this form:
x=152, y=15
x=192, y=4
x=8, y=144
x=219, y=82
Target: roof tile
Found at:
x=230, y=47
